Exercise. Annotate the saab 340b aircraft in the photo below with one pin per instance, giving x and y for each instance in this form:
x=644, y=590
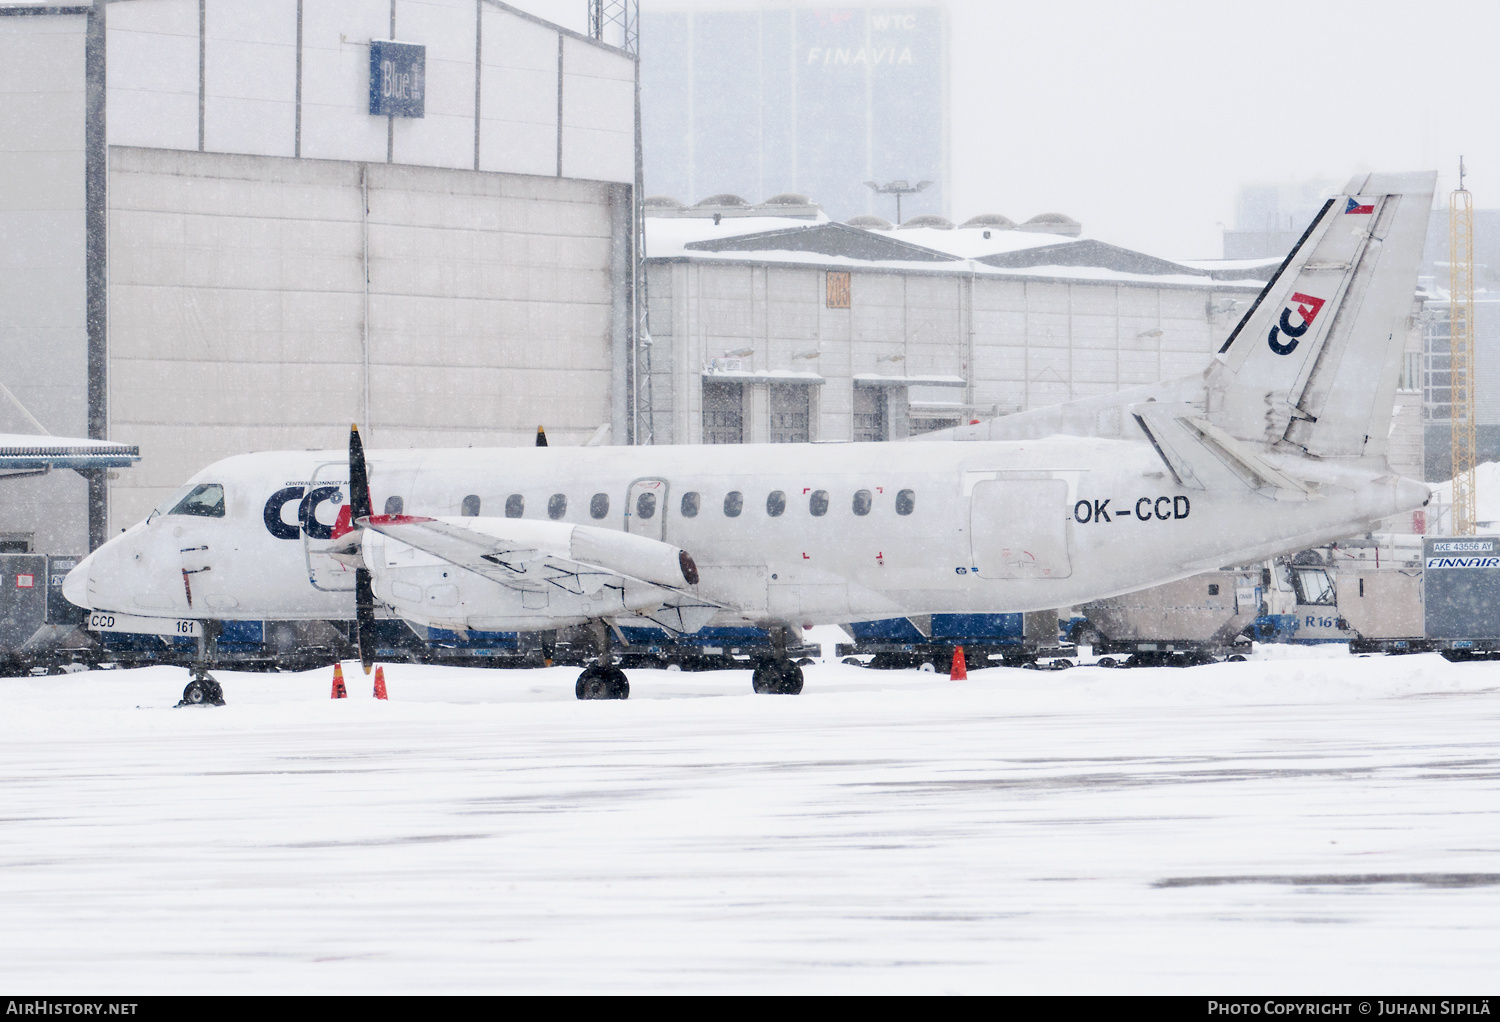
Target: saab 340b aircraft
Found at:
x=1278, y=445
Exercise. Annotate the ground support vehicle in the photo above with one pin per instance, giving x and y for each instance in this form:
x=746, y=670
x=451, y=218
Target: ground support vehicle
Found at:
x=1383, y=609
x=39, y=629
x=709, y=649
x=1403, y=594
x=1010, y=640
x=1194, y=620
x=237, y=645
x=305, y=645
x=1301, y=603
x=1460, y=596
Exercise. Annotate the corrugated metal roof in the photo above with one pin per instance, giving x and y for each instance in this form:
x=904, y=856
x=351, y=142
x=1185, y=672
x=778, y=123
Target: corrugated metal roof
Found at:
x=23, y=451
x=927, y=250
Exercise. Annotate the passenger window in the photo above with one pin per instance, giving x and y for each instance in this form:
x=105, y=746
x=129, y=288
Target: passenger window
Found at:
x=205, y=501
x=599, y=505
x=690, y=505
x=775, y=503
x=818, y=503
x=394, y=505
x=862, y=502
x=470, y=506
x=515, y=506
x=906, y=502
x=734, y=503
x=645, y=506
x=557, y=506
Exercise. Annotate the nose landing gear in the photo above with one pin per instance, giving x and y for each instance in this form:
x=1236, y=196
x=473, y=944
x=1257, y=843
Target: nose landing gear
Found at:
x=203, y=690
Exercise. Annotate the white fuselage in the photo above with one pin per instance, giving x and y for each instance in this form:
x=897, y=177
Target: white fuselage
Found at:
x=990, y=527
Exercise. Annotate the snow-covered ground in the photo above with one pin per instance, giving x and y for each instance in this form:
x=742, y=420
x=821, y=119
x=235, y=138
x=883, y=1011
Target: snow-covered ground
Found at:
x=1298, y=823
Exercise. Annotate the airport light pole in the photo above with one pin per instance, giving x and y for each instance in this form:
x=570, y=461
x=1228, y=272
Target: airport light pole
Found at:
x=898, y=189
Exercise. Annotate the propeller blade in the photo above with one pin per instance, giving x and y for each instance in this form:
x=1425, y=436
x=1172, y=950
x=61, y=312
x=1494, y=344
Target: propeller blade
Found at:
x=364, y=589
x=359, y=478
x=541, y=437
x=364, y=617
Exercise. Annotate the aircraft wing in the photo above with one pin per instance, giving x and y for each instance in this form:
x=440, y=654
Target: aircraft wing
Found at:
x=539, y=556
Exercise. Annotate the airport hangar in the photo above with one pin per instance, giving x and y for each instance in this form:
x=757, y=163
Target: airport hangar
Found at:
x=211, y=245
x=769, y=322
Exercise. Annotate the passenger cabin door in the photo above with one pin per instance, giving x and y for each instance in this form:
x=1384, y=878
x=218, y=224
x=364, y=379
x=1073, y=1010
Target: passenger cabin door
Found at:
x=318, y=514
x=324, y=510
x=1018, y=528
x=646, y=508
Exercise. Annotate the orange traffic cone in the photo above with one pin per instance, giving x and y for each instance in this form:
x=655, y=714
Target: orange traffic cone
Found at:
x=339, y=692
x=379, y=682
x=959, y=672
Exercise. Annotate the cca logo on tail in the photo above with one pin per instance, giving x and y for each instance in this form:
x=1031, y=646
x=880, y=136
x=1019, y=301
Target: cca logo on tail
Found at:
x=1307, y=308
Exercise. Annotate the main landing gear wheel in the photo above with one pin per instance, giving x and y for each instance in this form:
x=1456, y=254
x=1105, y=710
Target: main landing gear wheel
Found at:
x=777, y=678
x=202, y=691
x=598, y=682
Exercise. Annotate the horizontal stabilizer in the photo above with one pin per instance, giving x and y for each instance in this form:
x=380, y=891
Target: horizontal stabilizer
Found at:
x=1201, y=455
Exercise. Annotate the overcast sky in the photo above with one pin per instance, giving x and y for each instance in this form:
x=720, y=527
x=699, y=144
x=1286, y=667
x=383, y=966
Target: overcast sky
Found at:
x=1143, y=119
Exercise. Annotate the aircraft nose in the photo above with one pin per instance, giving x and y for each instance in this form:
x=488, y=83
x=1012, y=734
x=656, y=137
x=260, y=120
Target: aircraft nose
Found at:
x=76, y=586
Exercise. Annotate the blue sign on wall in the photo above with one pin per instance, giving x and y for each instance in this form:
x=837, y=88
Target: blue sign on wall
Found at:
x=398, y=78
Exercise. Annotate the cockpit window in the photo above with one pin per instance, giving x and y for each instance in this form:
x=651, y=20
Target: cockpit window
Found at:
x=206, y=500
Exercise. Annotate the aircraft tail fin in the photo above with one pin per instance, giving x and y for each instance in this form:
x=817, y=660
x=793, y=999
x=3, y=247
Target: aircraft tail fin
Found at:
x=1314, y=363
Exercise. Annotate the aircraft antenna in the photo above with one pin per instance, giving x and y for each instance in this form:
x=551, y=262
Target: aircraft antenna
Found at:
x=1461, y=343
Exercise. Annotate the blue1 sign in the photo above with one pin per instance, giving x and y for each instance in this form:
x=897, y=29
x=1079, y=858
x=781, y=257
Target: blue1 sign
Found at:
x=397, y=78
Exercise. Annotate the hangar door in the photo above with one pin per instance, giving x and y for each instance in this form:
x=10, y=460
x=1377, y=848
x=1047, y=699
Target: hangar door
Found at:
x=1018, y=528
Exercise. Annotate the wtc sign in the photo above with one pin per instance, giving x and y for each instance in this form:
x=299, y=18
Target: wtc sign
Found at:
x=398, y=73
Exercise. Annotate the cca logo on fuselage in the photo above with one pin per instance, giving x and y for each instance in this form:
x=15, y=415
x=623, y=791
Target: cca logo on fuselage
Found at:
x=1307, y=308
x=306, y=508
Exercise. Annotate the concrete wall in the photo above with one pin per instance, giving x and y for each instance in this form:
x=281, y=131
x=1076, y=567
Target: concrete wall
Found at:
x=239, y=310
x=1017, y=344
x=496, y=82
x=43, y=335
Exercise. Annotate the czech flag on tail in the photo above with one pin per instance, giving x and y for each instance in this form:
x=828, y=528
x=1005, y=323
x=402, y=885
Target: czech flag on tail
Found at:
x=1355, y=207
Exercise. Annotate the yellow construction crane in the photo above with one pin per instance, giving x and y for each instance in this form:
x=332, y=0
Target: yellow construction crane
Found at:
x=1461, y=347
